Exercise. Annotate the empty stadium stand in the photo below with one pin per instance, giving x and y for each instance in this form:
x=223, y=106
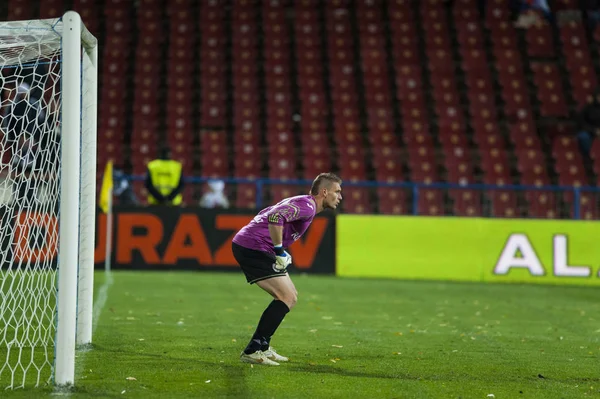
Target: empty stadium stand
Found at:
x=387, y=90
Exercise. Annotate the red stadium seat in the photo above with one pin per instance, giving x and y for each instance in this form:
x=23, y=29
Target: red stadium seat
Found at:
x=349, y=86
x=393, y=201
x=430, y=202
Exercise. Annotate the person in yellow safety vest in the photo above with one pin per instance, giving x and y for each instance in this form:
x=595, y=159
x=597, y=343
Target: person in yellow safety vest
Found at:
x=164, y=180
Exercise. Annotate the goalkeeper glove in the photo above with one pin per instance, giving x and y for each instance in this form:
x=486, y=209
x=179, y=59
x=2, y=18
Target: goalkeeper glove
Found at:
x=282, y=258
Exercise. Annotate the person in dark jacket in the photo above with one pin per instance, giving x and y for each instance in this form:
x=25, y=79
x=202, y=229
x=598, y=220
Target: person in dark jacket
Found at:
x=589, y=124
x=122, y=189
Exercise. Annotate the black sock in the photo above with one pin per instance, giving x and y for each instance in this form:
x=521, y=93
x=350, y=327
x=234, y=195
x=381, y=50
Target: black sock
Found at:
x=269, y=321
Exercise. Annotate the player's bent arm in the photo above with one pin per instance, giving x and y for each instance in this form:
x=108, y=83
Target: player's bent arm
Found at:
x=276, y=233
x=283, y=259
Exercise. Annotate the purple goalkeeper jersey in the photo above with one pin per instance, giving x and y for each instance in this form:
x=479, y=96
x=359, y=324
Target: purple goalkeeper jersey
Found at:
x=295, y=214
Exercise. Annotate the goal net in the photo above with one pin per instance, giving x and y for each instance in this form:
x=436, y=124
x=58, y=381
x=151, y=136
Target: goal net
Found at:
x=47, y=197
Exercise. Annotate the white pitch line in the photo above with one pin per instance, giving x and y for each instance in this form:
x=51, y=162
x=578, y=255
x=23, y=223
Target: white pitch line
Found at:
x=101, y=300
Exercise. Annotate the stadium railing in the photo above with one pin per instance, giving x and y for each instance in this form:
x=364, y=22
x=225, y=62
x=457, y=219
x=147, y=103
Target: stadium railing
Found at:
x=413, y=188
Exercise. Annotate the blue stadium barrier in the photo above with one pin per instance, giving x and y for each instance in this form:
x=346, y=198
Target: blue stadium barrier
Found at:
x=414, y=187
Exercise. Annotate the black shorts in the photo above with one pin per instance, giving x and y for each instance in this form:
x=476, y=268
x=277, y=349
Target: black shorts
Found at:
x=256, y=265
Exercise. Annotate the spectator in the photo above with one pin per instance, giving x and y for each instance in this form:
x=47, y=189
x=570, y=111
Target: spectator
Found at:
x=164, y=180
x=25, y=154
x=215, y=198
x=23, y=126
x=122, y=189
x=589, y=123
x=532, y=12
x=23, y=115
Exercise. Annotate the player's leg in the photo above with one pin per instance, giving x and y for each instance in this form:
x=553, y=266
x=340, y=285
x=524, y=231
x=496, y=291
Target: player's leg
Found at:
x=285, y=296
x=258, y=267
x=282, y=288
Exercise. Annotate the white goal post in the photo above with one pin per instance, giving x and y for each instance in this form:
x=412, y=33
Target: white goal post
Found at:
x=48, y=115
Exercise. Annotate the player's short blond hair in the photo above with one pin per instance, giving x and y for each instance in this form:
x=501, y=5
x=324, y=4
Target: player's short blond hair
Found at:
x=324, y=178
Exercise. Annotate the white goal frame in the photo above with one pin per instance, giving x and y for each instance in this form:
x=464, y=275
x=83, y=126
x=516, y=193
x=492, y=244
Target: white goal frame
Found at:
x=77, y=208
x=76, y=262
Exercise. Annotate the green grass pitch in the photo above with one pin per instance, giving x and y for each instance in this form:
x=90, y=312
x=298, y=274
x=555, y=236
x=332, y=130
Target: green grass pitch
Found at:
x=179, y=335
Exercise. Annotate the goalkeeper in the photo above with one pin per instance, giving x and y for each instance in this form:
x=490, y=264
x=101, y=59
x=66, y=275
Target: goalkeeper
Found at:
x=259, y=248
